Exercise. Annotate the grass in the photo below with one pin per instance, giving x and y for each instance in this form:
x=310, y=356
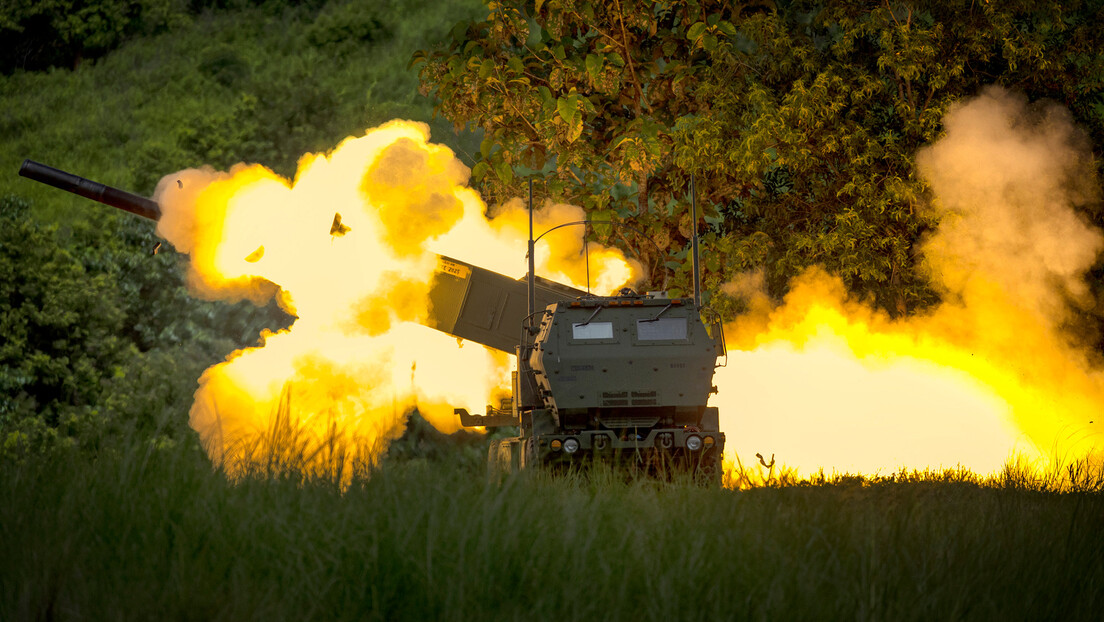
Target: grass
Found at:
x=255, y=84
x=141, y=530
x=156, y=532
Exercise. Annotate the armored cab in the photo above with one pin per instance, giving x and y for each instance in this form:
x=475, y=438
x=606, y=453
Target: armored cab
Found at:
x=628, y=358
x=623, y=378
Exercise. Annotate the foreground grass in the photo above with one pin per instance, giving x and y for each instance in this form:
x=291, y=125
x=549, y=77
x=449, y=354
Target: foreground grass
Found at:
x=155, y=533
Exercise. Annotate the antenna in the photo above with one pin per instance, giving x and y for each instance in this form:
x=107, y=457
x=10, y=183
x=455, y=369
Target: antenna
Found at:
x=532, y=260
x=694, y=242
x=586, y=251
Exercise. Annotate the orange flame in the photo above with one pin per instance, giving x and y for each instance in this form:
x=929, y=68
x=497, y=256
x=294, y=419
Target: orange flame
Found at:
x=820, y=381
x=348, y=248
x=825, y=382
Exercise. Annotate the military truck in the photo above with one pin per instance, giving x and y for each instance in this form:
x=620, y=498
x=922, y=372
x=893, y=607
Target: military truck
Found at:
x=623, y=378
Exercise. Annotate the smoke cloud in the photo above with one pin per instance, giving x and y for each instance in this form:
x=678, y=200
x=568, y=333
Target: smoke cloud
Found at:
x=1008, y=179
x=350, y=247
x=824, y=381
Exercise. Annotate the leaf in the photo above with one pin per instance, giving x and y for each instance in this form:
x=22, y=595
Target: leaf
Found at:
x=568, y=107
x=712, y=262
x=504, y=172
x=575, y=128
x=593, y=65
x=479, y=170
x=545, y=94
x=486, y=69
x=599, y=215
x=696, y=31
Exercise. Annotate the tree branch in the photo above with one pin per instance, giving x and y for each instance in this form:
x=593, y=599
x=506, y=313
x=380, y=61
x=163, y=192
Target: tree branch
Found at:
x=628, y=59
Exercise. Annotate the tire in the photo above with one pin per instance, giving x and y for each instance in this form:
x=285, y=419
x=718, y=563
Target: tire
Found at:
x=495, y=471
x=709, y=471
x=530, y=459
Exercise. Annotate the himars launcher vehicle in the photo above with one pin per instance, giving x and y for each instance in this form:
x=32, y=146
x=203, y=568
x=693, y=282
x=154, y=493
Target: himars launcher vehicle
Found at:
x=623, y=378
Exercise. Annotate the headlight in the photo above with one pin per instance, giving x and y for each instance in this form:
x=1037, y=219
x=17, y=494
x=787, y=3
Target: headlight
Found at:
x=571, y=445
x=693, y=442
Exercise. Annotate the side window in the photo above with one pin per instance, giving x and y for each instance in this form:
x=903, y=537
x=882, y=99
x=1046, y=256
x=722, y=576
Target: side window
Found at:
x=662, y=329
x=592, y=330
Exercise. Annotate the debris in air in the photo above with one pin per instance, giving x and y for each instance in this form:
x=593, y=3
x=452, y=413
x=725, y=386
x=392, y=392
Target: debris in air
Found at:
x=156, y=248
x=256, y=255
x=338, y=229
x=179, y=184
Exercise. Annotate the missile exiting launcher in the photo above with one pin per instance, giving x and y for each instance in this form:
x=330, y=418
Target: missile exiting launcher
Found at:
x=121, y=199
x=622, y=378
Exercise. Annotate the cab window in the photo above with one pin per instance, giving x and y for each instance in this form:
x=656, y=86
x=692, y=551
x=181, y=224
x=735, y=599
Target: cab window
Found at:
x=592, y=330
x=661, y=329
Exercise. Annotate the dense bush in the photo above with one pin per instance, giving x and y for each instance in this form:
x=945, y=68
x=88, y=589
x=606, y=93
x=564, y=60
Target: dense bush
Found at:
x=260, y=82
x=60, y=323
x=47, y=33
x=99, y=332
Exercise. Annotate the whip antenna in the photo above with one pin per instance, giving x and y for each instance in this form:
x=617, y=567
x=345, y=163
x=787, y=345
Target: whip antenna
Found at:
x=532, y=260
x=694, y=242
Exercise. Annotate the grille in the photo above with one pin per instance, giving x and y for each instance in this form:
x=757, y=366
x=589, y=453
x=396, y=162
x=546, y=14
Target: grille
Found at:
x=615, y=398
x=616, y=423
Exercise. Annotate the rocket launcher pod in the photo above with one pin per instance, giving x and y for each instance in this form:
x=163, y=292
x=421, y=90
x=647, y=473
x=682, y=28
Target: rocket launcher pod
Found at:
x=624, y=378
x=467, y=301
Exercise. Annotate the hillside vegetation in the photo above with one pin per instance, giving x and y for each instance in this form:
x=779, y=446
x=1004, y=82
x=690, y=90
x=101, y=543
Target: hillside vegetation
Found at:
x=109, y=508
x=99, y=330
x=261, y=82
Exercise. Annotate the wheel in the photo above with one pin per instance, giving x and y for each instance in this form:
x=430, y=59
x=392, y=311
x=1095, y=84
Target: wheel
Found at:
x=496, y=468
x=709, y=471
x=530, y=459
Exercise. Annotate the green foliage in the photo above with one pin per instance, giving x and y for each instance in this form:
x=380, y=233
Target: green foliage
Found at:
x=99, y=333
x=800, y=121
x=152, y=532
x=342, y=28
x=60, y=323
x=421, y=442
x=44, y=33
x=250, y=83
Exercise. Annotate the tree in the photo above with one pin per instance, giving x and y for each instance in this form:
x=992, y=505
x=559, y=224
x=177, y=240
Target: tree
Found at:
x=799, y=120
x=60, y=324
x=99, y=333
x=44, y=33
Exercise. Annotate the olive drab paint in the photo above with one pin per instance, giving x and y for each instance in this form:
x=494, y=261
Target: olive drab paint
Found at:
x=623, y=378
